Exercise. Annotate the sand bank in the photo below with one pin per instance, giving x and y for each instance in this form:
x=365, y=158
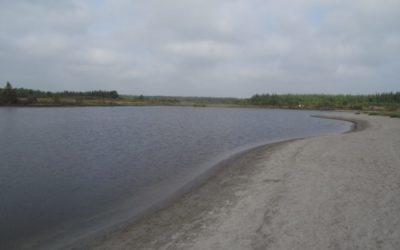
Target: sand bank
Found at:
x=328, y=192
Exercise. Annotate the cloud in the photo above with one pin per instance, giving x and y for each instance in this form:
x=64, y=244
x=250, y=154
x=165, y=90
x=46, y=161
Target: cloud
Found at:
x=211, y=48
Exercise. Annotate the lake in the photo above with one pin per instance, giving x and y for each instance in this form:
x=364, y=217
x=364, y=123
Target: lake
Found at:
x=67, y=172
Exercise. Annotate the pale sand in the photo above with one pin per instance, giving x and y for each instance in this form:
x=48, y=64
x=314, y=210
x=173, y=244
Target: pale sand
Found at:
x=328, y=192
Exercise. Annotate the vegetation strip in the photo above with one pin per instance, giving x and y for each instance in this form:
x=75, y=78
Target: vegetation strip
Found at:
x=387, y=104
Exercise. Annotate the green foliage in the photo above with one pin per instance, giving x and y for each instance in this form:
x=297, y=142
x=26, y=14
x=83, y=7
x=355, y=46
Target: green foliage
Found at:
x=8, y=95
x=385, y=100
x=392, y=114
x=22, y=96
x=25, y=93
x=91, y=94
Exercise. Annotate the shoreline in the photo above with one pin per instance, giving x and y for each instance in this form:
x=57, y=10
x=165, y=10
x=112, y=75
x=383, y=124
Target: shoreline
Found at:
x=48, y=238
x=83, y=242
x=193, y=105
x=187, y=189
x=177, y=202
x=357, y=124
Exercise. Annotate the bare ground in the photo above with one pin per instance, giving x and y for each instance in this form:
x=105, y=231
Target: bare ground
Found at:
x=328, y=192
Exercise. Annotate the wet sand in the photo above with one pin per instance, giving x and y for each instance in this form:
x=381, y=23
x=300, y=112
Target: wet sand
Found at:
x=327, y=192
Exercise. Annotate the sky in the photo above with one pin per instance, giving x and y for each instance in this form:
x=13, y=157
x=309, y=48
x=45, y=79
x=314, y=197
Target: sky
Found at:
x=234, y=48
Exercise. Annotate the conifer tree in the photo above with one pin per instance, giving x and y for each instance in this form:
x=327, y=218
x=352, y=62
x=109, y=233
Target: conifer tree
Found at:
x=8, y=95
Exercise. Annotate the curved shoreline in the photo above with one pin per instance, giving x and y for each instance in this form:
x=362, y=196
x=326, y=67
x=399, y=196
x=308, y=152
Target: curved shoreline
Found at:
x=176, y=203
x=163, y=206
x=75, y=230
x=358, y=124
x=155, y=216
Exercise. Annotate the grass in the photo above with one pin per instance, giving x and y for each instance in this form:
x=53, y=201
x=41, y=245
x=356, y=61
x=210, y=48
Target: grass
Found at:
x=392, y=114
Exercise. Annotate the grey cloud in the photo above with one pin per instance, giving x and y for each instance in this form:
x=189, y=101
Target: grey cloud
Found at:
x=213, y=48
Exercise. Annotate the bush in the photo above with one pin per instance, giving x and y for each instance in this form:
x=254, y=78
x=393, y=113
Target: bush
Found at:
x=8, y=95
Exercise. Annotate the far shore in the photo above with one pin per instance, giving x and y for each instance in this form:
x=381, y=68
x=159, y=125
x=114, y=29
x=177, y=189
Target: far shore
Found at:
x=374, y=104
x=327, y=192
x=394, y=114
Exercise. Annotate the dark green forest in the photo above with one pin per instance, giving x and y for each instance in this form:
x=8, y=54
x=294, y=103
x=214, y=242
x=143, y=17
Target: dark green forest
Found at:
x=14, y=96
x=21, y=92
x=390, y=101
x=25, y=93
x=8, y=95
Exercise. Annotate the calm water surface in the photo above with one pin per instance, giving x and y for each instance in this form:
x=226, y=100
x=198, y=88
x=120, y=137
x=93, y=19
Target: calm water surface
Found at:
x=63, y=170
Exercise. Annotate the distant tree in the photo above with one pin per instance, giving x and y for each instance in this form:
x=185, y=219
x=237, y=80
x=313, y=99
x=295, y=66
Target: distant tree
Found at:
x=8, y=95
x=113, y=94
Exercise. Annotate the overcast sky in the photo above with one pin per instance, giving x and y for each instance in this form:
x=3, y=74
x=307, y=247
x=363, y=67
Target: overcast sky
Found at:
x=201, y=47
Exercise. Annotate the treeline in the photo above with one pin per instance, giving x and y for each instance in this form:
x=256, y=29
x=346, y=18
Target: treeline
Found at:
x=10, y=95
x=25, y=93
x=387, y=100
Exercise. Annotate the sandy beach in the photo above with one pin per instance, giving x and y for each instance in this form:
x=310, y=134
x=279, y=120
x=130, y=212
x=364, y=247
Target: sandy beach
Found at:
x=328, y=192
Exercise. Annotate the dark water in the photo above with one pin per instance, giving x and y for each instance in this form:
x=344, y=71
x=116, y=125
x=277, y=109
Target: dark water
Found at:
x=68, y=168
